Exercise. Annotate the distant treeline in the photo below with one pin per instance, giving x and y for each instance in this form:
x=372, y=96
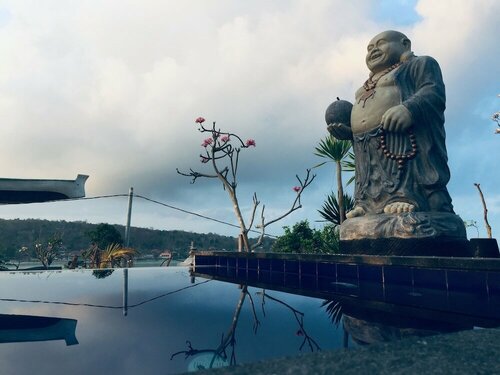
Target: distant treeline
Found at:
x=15, y=234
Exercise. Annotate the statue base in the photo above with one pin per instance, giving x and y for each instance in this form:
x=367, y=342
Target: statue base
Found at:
x=406, y=234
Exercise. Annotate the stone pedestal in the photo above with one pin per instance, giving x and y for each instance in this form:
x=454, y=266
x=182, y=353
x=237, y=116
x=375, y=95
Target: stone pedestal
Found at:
x=412, y=233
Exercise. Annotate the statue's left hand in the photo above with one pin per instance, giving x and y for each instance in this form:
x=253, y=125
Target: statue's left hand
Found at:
x=397, y=119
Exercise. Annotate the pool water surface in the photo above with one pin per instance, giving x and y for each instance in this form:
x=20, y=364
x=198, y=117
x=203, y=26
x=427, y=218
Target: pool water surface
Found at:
x=150, y=321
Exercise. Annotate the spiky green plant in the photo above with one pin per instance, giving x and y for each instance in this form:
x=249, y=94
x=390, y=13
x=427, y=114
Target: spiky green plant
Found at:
x=337, y=151
x=330, y=210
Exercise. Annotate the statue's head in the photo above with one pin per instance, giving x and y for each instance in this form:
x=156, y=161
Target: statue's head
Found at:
x=386, y=49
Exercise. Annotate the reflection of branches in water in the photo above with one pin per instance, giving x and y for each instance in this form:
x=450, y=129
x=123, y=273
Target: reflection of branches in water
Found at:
x=299, y=317
x=334, y=310
x=103, y=306
x=227, y=340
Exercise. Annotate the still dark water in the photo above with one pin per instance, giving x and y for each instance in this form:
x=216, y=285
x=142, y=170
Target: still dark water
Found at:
x=168, y=312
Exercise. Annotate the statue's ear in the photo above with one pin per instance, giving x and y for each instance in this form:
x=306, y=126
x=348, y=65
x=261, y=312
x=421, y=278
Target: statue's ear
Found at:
x=407, y=44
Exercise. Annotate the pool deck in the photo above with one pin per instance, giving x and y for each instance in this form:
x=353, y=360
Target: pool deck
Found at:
x=467, y=352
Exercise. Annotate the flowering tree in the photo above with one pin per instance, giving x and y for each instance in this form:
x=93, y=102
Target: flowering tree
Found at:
x=496, y=117
x=222, y=150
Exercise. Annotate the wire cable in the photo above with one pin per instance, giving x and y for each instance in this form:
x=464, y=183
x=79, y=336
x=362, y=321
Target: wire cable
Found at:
x=150, y=200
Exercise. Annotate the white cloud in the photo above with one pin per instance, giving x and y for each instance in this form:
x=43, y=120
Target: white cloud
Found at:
x=111, y=89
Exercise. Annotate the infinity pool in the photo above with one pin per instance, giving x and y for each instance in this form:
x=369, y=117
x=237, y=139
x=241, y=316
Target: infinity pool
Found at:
x=150, y=321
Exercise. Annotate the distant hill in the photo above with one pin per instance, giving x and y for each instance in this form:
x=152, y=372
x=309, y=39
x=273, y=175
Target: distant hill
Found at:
x=17, y=233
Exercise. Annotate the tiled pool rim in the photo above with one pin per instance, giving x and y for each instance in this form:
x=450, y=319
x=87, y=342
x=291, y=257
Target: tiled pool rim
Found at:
x=214, y=258
x=459, y=285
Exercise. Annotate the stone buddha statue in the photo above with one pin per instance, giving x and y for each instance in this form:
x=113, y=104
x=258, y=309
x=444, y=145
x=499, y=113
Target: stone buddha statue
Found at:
x=397, y=129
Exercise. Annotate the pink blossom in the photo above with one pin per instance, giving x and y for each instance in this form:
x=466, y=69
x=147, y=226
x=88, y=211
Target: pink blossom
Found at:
x=204, y=160
x=297, y=189
x=250, y=142
x=207, y=142
x=224, y=138
x=200, y=120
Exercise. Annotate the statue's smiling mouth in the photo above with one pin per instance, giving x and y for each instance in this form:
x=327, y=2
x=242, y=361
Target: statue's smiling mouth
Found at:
x=375, y=55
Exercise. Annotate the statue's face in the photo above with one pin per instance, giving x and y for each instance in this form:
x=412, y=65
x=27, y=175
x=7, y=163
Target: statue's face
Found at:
x=384, y=50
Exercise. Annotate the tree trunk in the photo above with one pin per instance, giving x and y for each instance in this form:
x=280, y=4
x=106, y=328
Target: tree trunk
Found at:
x=485, y=211
x=340, y=190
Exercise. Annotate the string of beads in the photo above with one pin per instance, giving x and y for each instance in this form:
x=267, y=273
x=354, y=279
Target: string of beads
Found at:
x=400, y=158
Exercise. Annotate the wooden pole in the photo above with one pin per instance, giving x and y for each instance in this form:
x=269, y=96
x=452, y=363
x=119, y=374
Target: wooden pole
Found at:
x=129, y=216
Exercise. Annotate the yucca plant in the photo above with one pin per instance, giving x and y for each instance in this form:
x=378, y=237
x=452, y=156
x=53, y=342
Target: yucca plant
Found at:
x=113, y=254
x=337, y=151
x=330, y=210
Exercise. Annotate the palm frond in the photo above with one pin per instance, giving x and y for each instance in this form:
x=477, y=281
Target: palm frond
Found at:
x=330, y=210
x=333, y=149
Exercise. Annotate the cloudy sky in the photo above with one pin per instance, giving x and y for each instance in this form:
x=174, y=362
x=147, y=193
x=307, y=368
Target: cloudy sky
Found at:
x=111, y=89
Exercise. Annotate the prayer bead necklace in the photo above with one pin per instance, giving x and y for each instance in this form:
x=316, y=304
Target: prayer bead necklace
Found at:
x=400, y=158
x=370, y=84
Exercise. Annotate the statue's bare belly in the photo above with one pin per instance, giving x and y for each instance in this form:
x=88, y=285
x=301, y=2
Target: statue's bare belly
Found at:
x=367, y=115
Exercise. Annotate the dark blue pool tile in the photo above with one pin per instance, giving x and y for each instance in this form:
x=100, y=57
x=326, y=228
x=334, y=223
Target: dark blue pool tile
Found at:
x=241, y=263
x=326, y=270
x=264, y=264
x=221, y=271
x=253, y=264
x=347, y=286
x=291, y=266
x=308, y=268
x=494, y=283
x=278, y=278
x=347, y=272
x=252, y=275
x=205, y=260
x=221, y=261
x=265, y=276
x=397, y=275
x=467, y=281
x=326, y=284
x=432, y=298
x=308, y=282
x=429, y=278
x=370, y=273
x=231, y=262
x=292, y=280
x=278, y=265
x=400, y=294
x=231, y=272
x=371, y=290
x=463, y=302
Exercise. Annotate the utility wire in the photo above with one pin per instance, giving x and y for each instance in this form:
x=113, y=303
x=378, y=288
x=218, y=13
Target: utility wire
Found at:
x=104, y=306
x=150, y=200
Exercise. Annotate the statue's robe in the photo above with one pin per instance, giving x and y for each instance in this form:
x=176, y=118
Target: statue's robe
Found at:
x=422, y=181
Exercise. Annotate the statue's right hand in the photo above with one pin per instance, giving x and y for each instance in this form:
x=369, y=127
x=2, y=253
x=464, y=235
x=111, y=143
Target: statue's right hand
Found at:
x=340, y=131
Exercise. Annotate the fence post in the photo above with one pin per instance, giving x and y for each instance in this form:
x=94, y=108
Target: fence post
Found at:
x=129, y=215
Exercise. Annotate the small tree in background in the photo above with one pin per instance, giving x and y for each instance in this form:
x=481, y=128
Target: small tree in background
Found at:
x=47, y=252
x=222, y=151
x=104, y=235
x=302, y=239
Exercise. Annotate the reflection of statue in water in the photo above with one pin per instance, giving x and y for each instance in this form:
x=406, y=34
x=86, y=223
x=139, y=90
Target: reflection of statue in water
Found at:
x=397, y=129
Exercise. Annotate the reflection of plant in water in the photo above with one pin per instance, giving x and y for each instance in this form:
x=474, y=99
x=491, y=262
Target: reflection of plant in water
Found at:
x=229, y=339
x=299, y=317
x=102, y=274
x=334, y=310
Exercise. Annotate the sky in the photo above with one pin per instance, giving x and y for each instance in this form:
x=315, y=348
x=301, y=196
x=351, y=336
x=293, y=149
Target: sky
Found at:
x=111, y=89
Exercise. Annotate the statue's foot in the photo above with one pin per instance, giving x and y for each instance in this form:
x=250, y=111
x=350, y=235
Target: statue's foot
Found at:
x=355, y=212
x=399, y=207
